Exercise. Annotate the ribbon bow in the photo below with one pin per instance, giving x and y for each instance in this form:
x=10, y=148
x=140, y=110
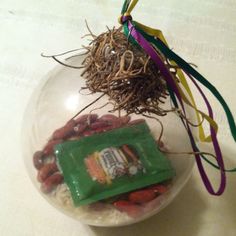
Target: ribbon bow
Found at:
x=124, y=18
x=154, y=43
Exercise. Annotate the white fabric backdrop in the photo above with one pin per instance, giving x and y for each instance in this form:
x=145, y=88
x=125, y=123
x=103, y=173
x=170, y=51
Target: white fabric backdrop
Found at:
x=202, y=31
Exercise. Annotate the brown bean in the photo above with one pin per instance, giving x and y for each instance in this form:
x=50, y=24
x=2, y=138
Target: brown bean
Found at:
x=65, y=131
x=38, y=159
x=46, y=171
x=87, y=118
x=51, y=182
x=48, y=149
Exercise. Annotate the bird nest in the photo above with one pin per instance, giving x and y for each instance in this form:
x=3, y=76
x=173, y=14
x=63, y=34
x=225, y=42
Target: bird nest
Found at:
x=125, y=73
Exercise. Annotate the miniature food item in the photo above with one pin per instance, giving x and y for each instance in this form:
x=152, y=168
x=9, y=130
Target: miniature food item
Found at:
x=107, y=160
x=111, y=163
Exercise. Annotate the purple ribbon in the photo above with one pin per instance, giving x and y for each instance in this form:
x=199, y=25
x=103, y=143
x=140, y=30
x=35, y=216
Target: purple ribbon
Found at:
x=165, y=72
x=214, y=141
x=124, y=19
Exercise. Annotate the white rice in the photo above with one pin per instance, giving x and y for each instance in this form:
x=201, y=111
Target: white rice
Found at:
x=97, y=213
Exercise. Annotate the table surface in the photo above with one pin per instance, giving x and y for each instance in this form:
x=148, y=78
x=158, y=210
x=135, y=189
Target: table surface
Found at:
x=202, y=32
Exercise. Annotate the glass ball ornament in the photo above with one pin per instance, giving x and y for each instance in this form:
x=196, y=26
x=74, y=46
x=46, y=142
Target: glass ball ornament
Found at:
x=56, y=100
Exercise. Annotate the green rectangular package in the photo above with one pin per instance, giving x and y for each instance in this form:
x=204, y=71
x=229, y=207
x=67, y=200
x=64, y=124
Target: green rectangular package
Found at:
x=111, y=163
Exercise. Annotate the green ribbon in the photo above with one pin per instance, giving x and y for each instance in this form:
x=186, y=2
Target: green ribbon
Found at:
x=187, y=68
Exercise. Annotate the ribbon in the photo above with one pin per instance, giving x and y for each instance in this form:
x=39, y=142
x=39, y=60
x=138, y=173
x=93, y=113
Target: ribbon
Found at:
x=154, y=43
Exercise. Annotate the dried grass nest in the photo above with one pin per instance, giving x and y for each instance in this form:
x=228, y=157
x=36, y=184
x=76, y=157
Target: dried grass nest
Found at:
x=125, y=73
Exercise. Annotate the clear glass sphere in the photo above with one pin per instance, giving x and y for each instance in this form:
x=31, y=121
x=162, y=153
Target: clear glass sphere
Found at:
x=56, y=100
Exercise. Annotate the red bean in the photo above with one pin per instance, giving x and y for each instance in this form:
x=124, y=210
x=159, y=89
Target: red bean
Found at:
x=65, y=131
x=71, y=122
x=108, y=118
x=87, y=118
x=103, y=129
x=159, y=188
x=38, y=159
x=133, y=210
x=142, y=196
x=121, y=121
x=135, y=122
x=48, y=149
x=47, y=171
x=98, y=125
x=51, y=182
x=80, y=128
x=124, y=119
x=87, y=133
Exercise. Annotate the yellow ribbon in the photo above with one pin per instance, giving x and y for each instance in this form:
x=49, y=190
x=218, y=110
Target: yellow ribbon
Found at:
x=158, y=34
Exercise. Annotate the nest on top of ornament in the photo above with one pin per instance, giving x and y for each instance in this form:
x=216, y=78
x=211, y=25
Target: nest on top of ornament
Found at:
x=125, y=73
